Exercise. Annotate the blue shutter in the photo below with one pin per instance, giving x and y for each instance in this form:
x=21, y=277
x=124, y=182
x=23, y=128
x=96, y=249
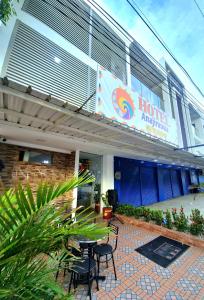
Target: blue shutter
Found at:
x=176, y=183
x=128, y=186
x=148, y=185
x=185, y=181
x=164, y=183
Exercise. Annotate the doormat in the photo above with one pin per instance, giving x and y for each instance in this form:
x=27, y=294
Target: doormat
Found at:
x=162, y=251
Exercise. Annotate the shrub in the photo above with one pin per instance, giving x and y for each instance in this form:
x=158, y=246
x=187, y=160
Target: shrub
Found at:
x=157, y=216
x=126, y=209
x=139, y=212
x=169, y=223
x=147, y=214
x=197, y=222
x=180, y=220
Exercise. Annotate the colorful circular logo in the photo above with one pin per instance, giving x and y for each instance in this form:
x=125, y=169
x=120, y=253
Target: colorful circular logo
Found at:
x=123, y=103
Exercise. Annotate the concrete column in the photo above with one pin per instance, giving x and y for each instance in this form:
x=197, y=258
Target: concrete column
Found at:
x=107, y=180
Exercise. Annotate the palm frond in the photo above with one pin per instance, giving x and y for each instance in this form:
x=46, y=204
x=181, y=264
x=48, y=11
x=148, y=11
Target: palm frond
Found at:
x=28, y=229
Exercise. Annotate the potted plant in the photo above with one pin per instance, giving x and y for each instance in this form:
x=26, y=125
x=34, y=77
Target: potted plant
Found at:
x=107, y=208
x=97, y=196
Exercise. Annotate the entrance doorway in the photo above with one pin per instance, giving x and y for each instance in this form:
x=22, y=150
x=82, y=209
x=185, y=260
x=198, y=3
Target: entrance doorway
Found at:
x=90, y=194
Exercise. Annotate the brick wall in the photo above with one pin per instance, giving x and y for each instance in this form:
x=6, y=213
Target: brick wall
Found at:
x=62, y=169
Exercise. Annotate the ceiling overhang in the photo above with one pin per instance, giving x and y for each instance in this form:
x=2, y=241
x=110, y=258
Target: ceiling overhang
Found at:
x=28, y=117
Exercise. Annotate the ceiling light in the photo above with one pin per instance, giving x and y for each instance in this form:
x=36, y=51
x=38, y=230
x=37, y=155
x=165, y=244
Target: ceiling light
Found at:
x=57, y=60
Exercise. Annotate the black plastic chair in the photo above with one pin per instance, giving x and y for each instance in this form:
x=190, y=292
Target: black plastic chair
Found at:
x=84, y=271
x=106, y=249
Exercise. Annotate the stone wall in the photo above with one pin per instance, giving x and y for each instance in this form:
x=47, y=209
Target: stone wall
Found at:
x=61, y=169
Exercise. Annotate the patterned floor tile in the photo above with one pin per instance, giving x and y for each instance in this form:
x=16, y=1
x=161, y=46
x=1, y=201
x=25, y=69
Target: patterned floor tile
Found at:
x=140, y=278
x=142, y=259
x=196, y=271
x=128, y=295
x=200, y=259
x=110, y=283
x=189, y=285
x=178, y=262
x=81, y=294
x=127, y=250
x=128, y=269
x=162, y=272
x=171, y=295
x=139, y=243
x=148, y=284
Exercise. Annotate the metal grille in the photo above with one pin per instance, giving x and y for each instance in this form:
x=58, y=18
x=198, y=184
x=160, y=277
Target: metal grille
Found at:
x=64, y=18
x=35, y=60
x=107, y=48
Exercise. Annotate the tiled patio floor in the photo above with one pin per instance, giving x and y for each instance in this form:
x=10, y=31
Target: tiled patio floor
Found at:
x=140, y=278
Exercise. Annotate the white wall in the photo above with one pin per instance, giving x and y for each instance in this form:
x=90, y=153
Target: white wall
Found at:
x=76, y=169
x=107, y=181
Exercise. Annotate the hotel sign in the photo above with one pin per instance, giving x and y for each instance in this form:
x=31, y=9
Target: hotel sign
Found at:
x=117, y=102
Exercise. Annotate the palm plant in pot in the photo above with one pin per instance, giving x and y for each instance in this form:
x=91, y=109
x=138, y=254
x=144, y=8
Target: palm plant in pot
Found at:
x=30, y=233
x=107, y=208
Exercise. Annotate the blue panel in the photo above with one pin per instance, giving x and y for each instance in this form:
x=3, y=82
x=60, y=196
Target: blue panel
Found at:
x=128, y=186
x=186, y=181
x=176, y=183
x=148, y=185
x=164, y=183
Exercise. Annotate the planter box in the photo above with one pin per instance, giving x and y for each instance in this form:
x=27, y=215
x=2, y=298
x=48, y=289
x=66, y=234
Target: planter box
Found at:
x=172, y=234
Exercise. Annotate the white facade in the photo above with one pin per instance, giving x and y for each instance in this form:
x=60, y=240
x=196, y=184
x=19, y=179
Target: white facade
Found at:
x=57, y=46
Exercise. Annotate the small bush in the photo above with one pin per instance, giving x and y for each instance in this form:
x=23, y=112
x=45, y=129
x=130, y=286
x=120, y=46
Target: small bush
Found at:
x=147, y=214
x=180, y=220
x=157, y=216
x=139, y=212
x=197, y=222
x=169, y=223
x=126, y=209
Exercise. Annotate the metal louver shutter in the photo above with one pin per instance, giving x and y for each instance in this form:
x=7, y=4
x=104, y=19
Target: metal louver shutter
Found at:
x=164, y=182
x=148, y=185
x=64, y=18
x=107, y=48
x=129, y=183
x=32, y=62
x=176, y=183
x=91, y=106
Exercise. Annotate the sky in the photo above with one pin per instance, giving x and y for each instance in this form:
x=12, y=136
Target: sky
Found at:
x=178, y=22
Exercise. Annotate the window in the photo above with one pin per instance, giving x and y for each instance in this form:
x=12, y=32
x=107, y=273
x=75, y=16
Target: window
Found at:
x=35, y=157
x=146, y=93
